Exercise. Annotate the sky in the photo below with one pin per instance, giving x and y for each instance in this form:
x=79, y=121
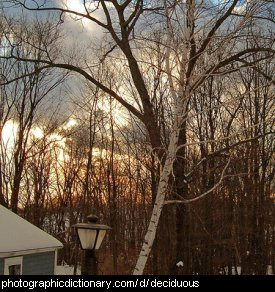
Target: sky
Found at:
x=83, y=34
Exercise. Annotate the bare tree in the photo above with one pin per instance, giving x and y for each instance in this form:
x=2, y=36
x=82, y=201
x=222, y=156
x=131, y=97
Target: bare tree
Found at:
x=197, y=48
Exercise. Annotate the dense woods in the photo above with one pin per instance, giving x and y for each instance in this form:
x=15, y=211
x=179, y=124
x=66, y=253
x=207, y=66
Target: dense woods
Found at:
x=146, y=113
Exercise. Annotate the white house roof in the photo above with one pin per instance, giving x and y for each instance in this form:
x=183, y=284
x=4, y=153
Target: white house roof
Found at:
x=19, y=235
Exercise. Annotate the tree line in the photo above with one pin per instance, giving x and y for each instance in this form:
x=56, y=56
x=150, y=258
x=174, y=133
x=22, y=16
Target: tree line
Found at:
x=163, y=128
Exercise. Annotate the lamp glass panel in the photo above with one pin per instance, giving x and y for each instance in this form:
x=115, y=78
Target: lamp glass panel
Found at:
x=100, y=238
x=87, y=237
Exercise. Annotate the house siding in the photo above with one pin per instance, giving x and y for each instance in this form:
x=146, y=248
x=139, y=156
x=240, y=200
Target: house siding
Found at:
x=35, y=264
x=1, y=266
x=39, y=264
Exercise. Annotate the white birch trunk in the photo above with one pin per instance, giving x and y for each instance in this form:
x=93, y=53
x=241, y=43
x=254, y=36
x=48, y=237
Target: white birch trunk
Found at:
x=180, y=98
x=162, y=187
x=159, y=203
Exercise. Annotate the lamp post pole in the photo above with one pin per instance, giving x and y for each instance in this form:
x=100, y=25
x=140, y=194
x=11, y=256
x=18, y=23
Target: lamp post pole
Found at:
x=89, y=263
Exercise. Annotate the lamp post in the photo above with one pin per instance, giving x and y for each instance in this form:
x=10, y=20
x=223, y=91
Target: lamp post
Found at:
x=90, y=236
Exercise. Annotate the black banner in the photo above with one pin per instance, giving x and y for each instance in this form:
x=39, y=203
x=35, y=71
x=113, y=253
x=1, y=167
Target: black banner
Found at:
x=118, y=282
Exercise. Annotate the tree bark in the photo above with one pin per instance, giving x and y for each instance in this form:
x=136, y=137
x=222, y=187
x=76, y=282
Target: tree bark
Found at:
x=161, y=193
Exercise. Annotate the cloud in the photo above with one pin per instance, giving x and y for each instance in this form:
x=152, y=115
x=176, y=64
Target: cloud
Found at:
x=94, y=9
x=241, y=8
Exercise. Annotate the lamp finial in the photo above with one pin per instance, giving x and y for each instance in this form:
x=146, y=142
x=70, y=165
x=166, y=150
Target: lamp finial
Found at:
x=92, y=218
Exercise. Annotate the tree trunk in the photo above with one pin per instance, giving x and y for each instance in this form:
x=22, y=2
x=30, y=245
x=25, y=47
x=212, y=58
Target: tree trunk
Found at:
x=159, y=202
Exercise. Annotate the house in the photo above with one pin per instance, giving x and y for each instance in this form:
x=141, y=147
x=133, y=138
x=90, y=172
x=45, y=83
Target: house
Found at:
x=24, y=248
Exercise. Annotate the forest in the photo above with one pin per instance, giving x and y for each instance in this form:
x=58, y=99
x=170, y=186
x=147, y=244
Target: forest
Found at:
x=157, y=116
